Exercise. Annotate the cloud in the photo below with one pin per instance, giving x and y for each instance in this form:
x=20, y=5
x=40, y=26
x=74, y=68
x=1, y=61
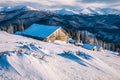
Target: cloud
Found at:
x=63, y=2
x=116, y=5
x=99, y=1
x=45, y=4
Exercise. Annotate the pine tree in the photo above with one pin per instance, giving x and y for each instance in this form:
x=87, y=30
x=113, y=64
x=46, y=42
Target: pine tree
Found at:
x=78, y=36
x=10, y=29
x=21, y=27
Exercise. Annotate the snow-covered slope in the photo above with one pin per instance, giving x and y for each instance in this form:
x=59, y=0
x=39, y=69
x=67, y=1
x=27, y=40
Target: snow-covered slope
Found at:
x=24, y=58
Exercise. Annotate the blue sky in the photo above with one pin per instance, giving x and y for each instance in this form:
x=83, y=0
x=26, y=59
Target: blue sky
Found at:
x=63, y=3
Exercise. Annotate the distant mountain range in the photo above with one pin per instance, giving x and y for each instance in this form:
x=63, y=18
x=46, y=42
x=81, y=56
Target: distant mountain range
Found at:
x=65, y=11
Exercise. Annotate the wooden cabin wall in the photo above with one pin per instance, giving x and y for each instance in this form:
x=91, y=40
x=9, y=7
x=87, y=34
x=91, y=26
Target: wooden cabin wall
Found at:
x=58, y=35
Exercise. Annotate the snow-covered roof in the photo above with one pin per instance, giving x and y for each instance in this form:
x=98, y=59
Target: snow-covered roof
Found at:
x=89, y=46
x=38, y=30
x=99, y=47
x=71, y=40
x=18, y=33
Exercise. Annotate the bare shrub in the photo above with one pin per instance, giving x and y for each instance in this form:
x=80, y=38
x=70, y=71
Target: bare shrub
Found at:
x=67, y=52
x=78, y=52
x=20, y=50
x=5, y=52
x=118, y=54
x=42, y=57
x=27, y=52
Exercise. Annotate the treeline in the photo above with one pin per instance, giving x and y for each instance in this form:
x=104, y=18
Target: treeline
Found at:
x=86, y=37
x=13, y=28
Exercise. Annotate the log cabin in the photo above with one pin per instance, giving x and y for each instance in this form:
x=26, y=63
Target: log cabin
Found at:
x=46, y=33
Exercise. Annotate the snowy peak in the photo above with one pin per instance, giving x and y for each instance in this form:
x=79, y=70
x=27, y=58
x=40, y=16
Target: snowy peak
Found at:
x=65, y=11
x=30, y=8
x=108, y=11
x=99, y=11
x=8, y=9
x=87, y=11
x=92, y=11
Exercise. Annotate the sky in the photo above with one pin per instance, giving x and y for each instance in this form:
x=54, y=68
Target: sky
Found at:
x=72, y=4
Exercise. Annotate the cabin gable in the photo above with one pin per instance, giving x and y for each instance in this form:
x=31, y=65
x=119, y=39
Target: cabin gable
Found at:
x=58, y=35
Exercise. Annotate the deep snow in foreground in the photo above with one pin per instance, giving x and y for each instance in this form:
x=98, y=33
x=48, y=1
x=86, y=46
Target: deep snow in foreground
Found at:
x=24, y=58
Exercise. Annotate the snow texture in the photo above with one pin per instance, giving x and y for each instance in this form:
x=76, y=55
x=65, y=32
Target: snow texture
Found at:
x=24, y=58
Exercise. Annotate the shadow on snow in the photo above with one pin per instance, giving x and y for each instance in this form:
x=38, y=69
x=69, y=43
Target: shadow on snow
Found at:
x=85, y=56
x=73, y=58
x=78, y=59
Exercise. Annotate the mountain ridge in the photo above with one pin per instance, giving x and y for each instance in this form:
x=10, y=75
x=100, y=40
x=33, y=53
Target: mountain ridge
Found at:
x=66, y=11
